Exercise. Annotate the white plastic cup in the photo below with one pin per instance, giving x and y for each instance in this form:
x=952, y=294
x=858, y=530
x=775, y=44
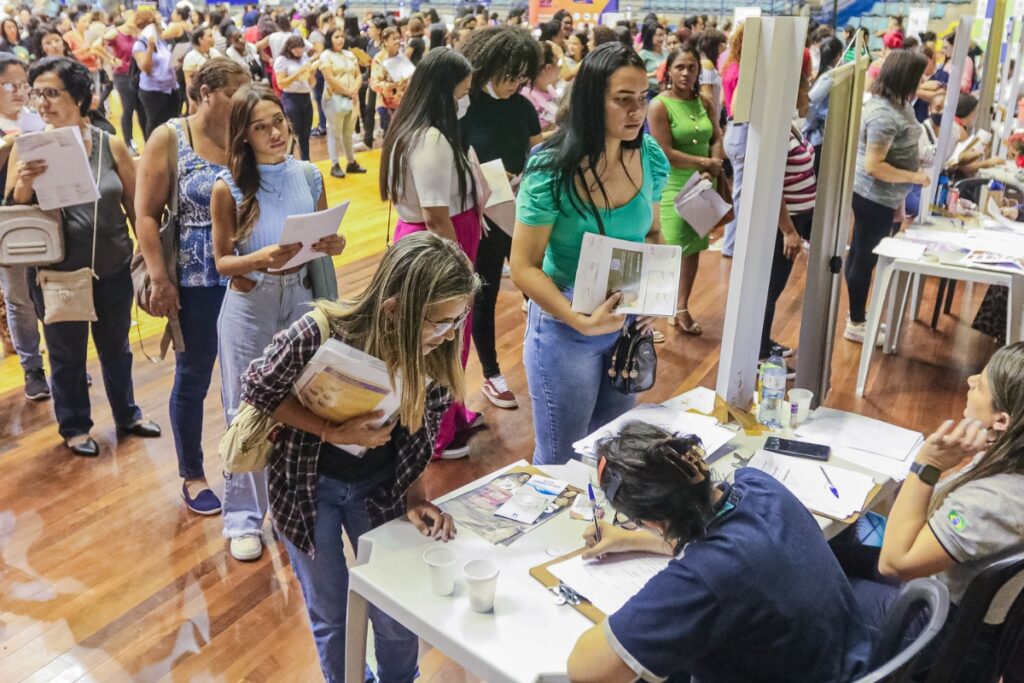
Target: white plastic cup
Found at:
x=481, y=581
x=802, y=398
x=441, y=563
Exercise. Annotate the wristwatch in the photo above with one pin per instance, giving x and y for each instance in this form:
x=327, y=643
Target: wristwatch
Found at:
x=929, y=474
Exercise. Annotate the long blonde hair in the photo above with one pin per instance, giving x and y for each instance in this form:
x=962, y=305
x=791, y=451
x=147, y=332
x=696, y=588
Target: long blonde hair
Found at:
x=417, y=271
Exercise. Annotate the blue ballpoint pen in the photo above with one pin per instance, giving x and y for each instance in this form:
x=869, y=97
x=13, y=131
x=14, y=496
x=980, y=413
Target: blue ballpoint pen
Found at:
x=593, y=507
x=831, y=486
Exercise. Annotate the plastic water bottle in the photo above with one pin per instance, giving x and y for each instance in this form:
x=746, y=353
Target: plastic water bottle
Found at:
x=773, y=390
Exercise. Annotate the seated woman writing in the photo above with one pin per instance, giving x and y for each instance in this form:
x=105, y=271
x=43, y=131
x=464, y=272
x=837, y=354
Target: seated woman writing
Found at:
x=733, y=603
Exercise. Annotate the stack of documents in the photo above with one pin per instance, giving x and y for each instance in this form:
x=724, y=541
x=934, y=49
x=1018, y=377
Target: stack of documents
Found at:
x=647, y=275
x=341, y=382
x=609, y=583
x=812, y=482
x=68, y=179
x=673, y=419
x=307, y=229
x=500, y=204
x=529, y=502
x=700, y=205
x=872, y=444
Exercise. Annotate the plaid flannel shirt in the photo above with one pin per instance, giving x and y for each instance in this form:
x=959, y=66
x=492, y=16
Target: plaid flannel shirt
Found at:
x=292, y=466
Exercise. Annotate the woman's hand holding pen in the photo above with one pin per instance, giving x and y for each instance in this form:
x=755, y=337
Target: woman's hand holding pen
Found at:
x=614, y=539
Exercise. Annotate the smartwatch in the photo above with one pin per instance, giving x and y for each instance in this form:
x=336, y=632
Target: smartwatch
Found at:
x=929, y=474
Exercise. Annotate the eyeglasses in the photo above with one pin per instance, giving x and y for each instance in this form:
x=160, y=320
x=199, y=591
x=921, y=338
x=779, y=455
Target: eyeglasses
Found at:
x=15, y=87
x=50, y=94
x=443, y=328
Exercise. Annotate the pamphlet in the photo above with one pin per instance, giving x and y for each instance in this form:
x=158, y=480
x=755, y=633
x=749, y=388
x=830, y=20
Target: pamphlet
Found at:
x=500, y=205
x=68, y=179
x=532, y=498
x=647, y=275
x=700, y=205
x=341, y=382
x=307, y=229
x=399, y=67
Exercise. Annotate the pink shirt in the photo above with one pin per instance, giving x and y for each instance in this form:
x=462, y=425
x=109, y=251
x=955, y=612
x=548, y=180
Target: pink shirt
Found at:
x=730, y=78
x=544, y=101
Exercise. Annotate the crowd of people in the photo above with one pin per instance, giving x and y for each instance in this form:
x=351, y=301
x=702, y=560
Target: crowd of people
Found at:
x=598, y=128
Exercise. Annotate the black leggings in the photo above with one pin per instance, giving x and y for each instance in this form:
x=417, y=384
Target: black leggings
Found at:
x=781, y=268
x=160, y=107
x=494, y=249
x=369, y=112
x=299, y=109
x=129, y=105
x=871, y=223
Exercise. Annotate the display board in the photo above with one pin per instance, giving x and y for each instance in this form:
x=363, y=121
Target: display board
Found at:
x=582, y=12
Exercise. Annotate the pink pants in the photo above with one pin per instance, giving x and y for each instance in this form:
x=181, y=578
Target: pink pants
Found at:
x=467, y=233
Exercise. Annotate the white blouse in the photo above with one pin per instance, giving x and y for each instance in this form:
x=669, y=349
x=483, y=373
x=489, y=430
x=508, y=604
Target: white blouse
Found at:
x=435, y=181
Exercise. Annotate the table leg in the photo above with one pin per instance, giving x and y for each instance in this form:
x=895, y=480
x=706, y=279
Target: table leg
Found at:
x=917, y=284
x=943, y=283
x=883, y=277
x=892, y=338
x=1014, y=300
x=356, y=626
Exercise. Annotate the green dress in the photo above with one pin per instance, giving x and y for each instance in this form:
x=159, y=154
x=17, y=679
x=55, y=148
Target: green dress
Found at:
x=691, y=134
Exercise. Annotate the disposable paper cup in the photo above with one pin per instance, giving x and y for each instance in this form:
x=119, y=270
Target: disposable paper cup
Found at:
x=802, y=398
x=441, y=563
x=481, y=581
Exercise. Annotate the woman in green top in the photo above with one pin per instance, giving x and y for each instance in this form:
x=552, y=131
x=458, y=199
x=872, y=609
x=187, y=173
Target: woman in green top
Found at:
x=652, y=51
x=684, y=124
x=597, y=174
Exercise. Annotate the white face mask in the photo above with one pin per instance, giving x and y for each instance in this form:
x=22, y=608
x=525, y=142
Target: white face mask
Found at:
x=489, y=89
x=462, y=106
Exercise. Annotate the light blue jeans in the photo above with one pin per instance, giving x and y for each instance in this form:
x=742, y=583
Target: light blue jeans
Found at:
x=21, y=316
x=247, y=323
x=735, y=144
x=567, y=374
x=324, y=581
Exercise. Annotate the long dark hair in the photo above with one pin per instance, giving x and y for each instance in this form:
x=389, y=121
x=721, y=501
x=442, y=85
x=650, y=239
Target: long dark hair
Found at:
x=581, y=141
x=241, y=157
x=829, y=48
x=647, y=32
x=429, y=101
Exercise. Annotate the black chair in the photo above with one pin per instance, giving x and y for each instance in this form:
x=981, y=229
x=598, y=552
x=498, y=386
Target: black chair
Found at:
x=891, y=660
x=970, y=617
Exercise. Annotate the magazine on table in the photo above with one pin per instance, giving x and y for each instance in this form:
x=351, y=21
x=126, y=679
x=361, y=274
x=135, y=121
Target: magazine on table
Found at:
x=341, y=382
x=647, y=275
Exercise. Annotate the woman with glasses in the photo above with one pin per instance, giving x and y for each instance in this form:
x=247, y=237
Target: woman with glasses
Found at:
x=428, y=175
x=732, y=603
x=407, y=318
x=500, y=124
x=262, y=186
x=62, y=92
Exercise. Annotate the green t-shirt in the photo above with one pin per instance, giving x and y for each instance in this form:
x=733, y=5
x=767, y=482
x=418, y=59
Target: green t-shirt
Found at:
x=652, y=60
x=536, y=206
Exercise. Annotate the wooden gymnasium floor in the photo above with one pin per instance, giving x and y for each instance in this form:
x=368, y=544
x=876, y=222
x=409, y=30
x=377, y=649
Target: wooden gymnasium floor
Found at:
x=104, y=576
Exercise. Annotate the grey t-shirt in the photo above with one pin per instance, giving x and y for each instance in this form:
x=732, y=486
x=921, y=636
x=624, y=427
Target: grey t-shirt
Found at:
x=885, y=124
x=974, y=522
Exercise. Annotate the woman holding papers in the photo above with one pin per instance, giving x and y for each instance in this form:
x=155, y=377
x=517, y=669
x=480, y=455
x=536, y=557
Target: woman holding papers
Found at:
x=408, y=317
x=191, y=152
x=251, y=200
x=598, y=173
x=387, y=82
x=296, y=76
x=157, y=81
x=95, y=236
x=685, y=124
x=949, y=517
x=500, y=124
x=733, y=603
x=430, y=179
x=342, y=82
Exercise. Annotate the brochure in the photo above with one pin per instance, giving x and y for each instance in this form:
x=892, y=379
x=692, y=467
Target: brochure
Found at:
x=647, y=275
x=700, y=205
x=532, y=498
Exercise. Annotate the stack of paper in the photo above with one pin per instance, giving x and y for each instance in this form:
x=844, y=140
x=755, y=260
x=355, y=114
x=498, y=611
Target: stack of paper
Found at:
x=700, y=205
x=68, y=179
x=875, y=445
x=647, y=276
x=903, y=249
x=341, y=382
x=609, y=583
x=700, y=399
x=500, y=205
x=309, y=228
x=529, y=502
x=672, y=419
x=806, y=479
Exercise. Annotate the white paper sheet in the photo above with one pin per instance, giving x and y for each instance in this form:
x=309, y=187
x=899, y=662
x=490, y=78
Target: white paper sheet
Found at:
x=399, y=67
x=68, y=179
x=308, y=228
x=994, y=214
x=700, y=399
x=840, y=428
x=646, y=274
x=672, y=419
x=888, y=467
x=805, y=480
x=700, y=205
x=497, y=180
x=532, y=498
x=609, y=583
x=896, y=248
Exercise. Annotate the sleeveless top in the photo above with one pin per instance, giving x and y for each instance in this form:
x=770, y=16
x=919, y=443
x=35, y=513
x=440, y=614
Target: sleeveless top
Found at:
x=196, y=175
x=691, y=134
x=113, y=244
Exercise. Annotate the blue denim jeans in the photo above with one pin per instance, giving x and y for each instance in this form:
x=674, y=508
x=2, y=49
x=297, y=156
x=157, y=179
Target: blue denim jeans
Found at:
x=567, y=374
x=324, y=581
x=21, y=316
x=193, y=368
x=735, y=143
x=247, y=323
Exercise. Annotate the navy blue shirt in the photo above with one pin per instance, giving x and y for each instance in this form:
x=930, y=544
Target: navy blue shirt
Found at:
x=760, y=598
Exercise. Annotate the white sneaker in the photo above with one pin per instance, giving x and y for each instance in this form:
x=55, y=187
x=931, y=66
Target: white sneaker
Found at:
x=359, y=146
x=855, y=332
x=247, y=548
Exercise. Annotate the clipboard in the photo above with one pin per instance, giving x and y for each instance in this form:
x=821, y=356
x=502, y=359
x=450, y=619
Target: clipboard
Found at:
x=549, y=580
x=870, y=498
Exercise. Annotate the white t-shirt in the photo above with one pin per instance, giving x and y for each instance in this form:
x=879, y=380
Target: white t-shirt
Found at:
x=434, y=179
x=291, y=67
x=195, y=59
x=342, y=65
x=277, y=40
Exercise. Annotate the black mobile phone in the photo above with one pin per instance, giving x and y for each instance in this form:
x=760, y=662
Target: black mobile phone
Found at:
x=800, y=449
